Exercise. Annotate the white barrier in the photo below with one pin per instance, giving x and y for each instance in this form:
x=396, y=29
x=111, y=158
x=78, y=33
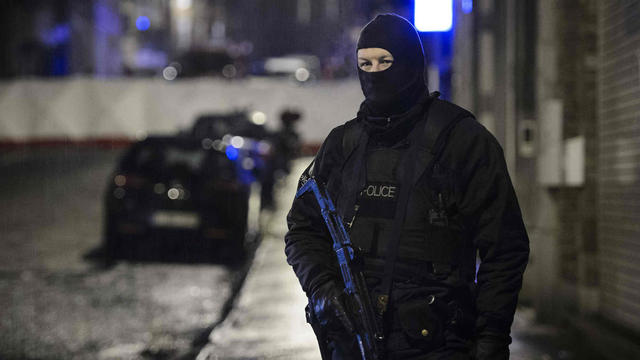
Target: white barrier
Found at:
x=81, y=108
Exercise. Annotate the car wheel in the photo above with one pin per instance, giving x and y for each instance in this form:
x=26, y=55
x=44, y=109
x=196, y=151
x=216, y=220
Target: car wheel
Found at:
x=235, y=252
x=112, y=241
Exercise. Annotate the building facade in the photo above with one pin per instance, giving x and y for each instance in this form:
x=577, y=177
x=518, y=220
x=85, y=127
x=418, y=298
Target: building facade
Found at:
x=619, y=158
x=558, y=83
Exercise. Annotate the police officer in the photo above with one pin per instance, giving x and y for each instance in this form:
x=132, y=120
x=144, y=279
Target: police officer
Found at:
x=423, y=189
x=286, y=145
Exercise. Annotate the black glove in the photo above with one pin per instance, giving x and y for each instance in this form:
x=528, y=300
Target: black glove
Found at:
x=328, y=306
x=492, y=347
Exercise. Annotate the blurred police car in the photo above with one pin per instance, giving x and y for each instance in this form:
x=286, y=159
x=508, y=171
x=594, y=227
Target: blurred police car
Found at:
x=299, y=67
x=178, y=191
x=246, y=132
x=238, y=123
x=205, y=62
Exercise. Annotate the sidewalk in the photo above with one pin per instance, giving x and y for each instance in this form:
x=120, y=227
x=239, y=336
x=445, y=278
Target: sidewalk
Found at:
x=268, y=321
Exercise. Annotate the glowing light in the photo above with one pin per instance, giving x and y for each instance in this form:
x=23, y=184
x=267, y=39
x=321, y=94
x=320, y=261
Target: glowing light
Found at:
x=302, y=74
x=159, y=188
x=120, y=180
x=229, y=71
x=467, y=6
x=173, y=193
x=264, y=147
x=218, y=145
x=118, y=193
x=170, y=73
x=207, y=143
x=433, y=15
x=258, y=118
x=143, y=23
x=183, y=4
x=237, y=142
x=232, y=153
x=57, y=35
x=248, y=163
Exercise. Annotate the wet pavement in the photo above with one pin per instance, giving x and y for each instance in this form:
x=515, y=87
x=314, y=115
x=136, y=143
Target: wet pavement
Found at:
x=268, y=323
x=57, y=304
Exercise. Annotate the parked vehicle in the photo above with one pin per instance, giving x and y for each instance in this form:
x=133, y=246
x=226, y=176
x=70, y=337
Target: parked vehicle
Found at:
x=204, y=62
x=174, y=194
x=252, y=144
x=217, y=125
x=299, y=67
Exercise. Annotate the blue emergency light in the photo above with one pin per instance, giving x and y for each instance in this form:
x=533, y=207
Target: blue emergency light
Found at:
x=433, y=15
x=143, y=23
x=467, y=6
x=232, y=153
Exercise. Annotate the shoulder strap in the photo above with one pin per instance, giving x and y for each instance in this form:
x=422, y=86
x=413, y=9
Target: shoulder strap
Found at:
x=443, y=116
x=354, y=146
x=351, y=137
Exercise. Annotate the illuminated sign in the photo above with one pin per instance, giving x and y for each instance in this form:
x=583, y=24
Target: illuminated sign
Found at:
x=433, y=15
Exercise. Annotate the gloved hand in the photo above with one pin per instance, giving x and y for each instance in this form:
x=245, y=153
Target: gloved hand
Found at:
x=492, y=347
x=328, y=306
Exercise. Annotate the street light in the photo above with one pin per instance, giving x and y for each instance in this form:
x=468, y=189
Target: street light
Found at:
x=433, y=15
x=183, y=4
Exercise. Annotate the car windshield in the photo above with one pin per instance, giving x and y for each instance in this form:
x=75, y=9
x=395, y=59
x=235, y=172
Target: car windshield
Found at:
x=178, y=157
x=165, y=159
x=216, y=126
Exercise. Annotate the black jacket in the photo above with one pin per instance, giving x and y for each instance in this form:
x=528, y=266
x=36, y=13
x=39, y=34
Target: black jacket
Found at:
x=485, y=204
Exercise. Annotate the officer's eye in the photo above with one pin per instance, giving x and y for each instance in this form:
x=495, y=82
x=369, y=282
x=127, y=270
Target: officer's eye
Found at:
x=364, y=64
x=387, y=61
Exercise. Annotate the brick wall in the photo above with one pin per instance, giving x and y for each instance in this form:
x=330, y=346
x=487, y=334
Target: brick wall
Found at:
x=577, y=33
x=618, y=196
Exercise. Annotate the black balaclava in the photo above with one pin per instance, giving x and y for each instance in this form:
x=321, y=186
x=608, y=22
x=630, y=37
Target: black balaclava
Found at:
x=394, y=90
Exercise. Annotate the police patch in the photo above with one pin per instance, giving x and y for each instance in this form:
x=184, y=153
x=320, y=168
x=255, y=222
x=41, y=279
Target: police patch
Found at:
x=381, y=191
x=378, y=200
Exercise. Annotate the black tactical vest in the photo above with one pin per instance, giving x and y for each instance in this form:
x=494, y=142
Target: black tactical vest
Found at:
x=433, y=245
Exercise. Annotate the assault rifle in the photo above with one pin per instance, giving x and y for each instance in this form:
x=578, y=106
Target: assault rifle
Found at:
x=367, y=332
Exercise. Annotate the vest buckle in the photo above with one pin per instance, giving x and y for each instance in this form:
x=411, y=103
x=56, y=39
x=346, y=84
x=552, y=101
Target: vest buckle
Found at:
x=381, y=304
